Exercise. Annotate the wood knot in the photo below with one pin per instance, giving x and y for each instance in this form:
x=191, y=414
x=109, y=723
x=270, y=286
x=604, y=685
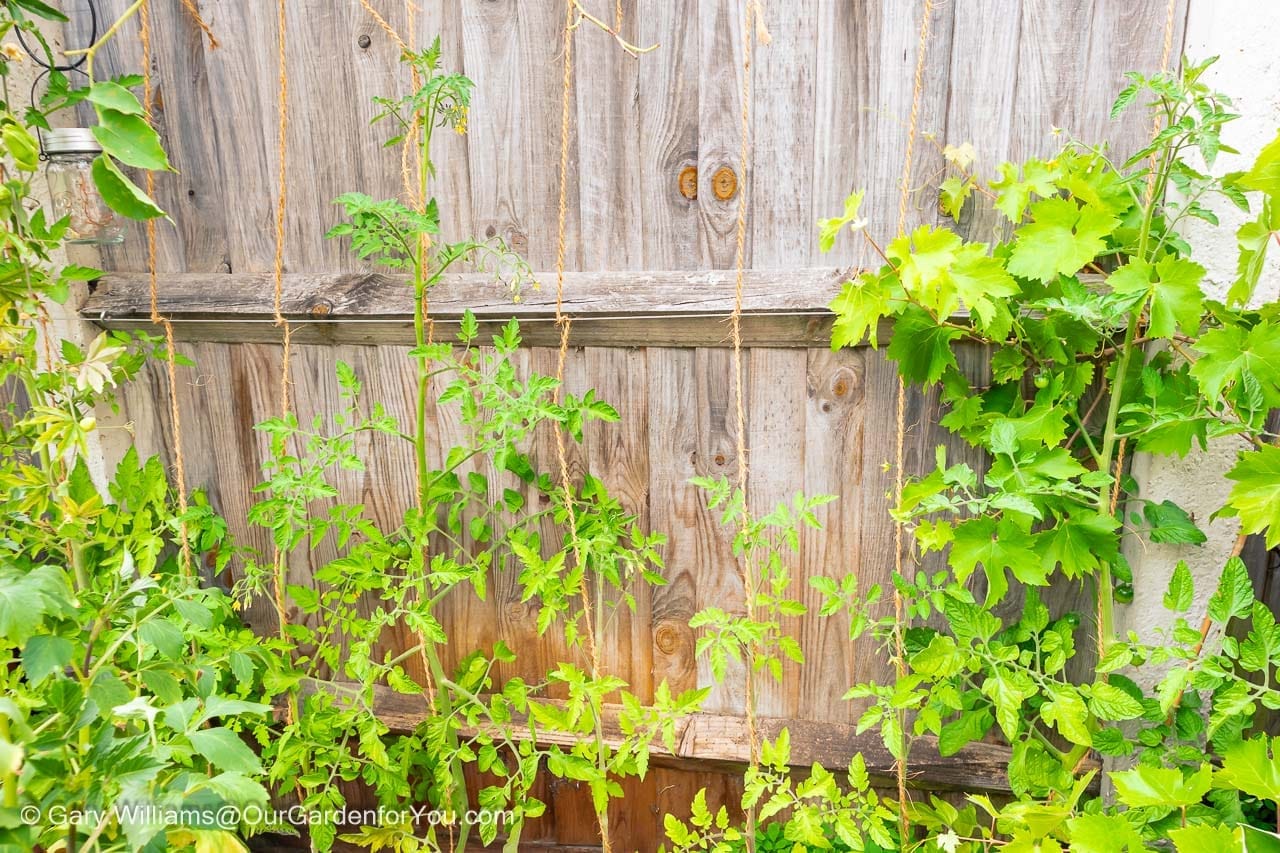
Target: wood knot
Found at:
x=667, y=638
x=364, y=41
x=688, y=182
x=845, y=387
x=724, y=183
x=321, y=309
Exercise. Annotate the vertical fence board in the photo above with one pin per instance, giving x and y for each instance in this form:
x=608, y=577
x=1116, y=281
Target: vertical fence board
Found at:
x=719, y=130
x=776, y=460
x=835, y=423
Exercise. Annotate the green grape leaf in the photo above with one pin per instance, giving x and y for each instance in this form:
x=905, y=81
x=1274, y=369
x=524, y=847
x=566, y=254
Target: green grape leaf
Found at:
x=829, y=229
x=1264, y=175
x=997, y=547
x=859, y=308
x=1013, y=195
x=921, y=346
x=976, y=278
x=1255, y=497
x=1201, y=838
x=1227, y=354
x=1252, y=240
x=1161, y=786
x=952, y=194
x=1172, y=285
x=1060, y=240
x=1078, y=543
x=1103, y=833
x=1253, y=766
x=924, y=258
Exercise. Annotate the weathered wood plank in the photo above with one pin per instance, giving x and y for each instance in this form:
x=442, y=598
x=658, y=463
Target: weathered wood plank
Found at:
x=782, y=308
x=984, y=48
x=720, y=180
x=711, y=741
x=782, y=182
x=451, y=151
x=676, y=509
x=606, y=107
x=841, y=126
x=669, y=135
x=512, y=53
x=242, y=131
x=331, y=81
x=836, y=421
x=717, y=442
x=617, y=453
x=775, y=406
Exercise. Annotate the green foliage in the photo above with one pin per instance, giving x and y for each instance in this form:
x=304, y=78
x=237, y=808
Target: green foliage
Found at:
x=126, y=680
x=1101, y=340
x=483, y=513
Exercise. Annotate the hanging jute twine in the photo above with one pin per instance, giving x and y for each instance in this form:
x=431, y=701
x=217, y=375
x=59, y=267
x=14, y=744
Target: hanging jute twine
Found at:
x=900, y=434
x=171, y=353
x=565, y=322
x=745, y=567
x=282, y=198
x=194, y=13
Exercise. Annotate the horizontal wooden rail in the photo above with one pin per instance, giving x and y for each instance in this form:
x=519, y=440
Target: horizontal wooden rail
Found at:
x=719, y=742
x=781, y=308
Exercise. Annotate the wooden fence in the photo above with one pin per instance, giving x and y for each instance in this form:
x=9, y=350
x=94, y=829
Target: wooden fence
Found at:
x=649, y=242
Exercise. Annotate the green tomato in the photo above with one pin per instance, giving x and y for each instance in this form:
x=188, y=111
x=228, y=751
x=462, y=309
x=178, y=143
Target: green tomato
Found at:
x=1072, y=619
x=1124, y=593
x=1042, y=379
x=401, y=551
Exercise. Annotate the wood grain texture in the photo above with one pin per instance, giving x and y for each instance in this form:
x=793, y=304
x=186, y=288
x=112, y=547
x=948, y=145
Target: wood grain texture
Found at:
x=720, y=75
x=606, y=106
x=782, y=308
x=669, y=141
x=837, y=419
x=776, y=402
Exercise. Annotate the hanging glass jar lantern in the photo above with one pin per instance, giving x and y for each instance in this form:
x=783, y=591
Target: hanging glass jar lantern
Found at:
x=71, y=151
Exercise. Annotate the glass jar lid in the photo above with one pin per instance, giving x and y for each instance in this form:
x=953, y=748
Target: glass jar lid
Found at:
x=70, y=140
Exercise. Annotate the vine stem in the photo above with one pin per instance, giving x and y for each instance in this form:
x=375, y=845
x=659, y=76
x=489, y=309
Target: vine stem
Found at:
x=440, y=699
x=1106, y=615
x=92, y=50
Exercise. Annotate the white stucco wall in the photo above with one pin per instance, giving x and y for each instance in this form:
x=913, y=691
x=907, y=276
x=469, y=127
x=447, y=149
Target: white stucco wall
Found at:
x=64, y=320
x=1245, y=34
